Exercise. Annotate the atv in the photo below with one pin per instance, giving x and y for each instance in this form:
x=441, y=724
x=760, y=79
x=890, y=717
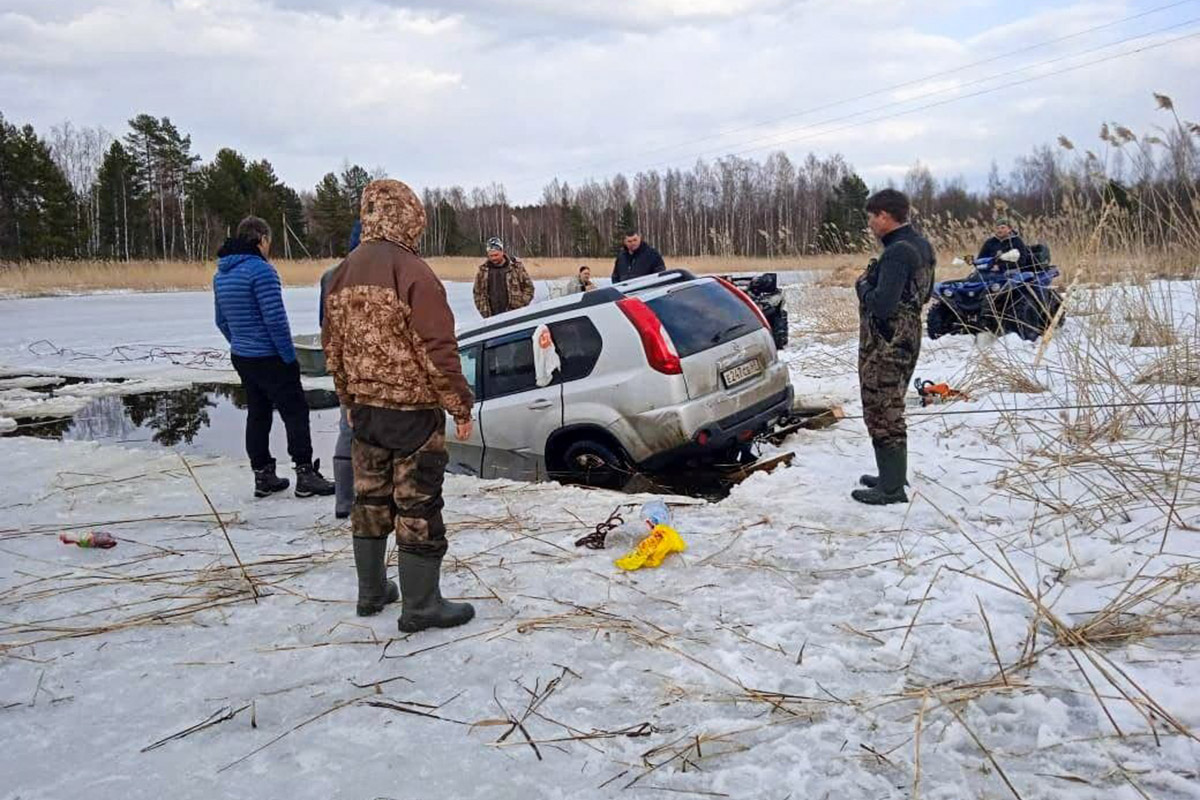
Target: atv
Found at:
x=998, y=298
x=764, y=291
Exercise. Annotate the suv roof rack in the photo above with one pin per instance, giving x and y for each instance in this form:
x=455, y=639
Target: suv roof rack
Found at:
x=597, y=297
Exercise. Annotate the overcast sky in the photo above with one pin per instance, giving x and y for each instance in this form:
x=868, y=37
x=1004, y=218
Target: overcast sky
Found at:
x=520, y=91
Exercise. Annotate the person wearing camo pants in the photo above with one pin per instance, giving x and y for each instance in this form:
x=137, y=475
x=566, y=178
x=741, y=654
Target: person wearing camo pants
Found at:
x=343, y=467
x=390, y=346
x=892, y=292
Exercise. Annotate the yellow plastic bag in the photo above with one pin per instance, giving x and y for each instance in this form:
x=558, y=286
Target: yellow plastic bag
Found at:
x=650, y=552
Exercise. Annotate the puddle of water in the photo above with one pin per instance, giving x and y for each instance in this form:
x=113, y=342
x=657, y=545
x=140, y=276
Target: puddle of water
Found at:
x=210, y=420
x=205, y=419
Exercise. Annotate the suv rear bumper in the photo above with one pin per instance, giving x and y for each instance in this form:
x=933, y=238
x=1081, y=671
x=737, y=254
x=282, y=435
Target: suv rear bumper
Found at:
x=729, y=432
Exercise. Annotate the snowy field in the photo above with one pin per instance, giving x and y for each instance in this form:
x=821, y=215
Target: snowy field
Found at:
x=1027, y=627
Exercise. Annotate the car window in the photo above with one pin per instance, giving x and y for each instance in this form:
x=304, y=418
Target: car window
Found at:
x=469, y=357
x=508, y=365
x=702, y=316
x=579, y=345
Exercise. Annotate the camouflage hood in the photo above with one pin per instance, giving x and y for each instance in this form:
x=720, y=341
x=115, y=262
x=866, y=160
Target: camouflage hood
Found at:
x=392, y=212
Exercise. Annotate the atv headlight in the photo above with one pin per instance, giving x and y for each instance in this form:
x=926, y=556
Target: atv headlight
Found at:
x=995, y=288
x=947, y=293
x=971, y=294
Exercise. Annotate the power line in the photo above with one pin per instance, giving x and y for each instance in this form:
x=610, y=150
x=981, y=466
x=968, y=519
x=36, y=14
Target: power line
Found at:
x=1034, y=409
x=1002, y=57
x=774, y=140
x=979, y=93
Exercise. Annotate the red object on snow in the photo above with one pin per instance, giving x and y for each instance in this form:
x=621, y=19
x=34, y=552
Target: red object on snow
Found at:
x=100, y=539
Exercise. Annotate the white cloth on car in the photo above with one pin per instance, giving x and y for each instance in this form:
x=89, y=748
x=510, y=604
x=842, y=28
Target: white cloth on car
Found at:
x=545, y=357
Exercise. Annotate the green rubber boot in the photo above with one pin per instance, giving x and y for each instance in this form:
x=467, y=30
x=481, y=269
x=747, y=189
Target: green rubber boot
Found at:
x=889, y=488
x=871, y=481
x=424, y=607
x=374, y=589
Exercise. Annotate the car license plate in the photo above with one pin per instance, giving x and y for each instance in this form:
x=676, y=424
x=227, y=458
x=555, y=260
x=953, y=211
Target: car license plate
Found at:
x=742, y=372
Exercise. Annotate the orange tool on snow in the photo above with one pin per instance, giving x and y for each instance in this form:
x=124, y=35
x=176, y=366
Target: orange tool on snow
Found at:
x=931, y=392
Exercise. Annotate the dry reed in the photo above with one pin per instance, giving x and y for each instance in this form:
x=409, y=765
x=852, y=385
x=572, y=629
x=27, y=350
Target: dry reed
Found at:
x=58, y=277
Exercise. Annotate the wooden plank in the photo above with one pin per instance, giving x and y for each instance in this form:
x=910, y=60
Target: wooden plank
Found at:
x=768, y=465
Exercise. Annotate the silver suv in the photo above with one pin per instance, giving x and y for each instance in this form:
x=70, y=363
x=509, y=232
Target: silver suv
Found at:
x=654, y=370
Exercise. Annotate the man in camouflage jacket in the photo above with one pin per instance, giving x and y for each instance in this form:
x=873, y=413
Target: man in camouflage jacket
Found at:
x=502, y=282
x=891, y=294
x=390, y=347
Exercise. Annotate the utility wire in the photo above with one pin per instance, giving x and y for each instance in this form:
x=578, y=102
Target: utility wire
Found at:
x=1033, y=409
x=776, y=142
x=1007, y=55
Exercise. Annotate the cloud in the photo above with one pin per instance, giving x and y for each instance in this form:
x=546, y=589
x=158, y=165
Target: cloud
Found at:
x=520, y=91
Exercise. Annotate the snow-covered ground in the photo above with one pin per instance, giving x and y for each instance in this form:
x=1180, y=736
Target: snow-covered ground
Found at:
x=804, y=646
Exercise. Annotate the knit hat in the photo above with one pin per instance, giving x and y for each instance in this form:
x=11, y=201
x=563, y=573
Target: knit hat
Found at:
x=1005, y=221
x=495, y=243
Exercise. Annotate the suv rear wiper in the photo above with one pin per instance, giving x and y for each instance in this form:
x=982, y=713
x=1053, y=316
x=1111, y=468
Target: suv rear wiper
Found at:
x=719, y=337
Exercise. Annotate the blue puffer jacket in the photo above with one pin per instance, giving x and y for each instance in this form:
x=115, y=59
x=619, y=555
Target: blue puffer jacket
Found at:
x=249, y=304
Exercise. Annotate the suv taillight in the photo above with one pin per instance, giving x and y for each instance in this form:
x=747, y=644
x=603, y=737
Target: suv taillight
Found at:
x=660, y=350
x=745, y=298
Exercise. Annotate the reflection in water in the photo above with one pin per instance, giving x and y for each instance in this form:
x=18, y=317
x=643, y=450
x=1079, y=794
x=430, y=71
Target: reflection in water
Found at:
x=173, y=416
x=209, y=414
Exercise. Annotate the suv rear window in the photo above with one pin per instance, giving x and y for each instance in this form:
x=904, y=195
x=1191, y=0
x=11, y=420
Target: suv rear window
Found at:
x=579, y=345
x=702, y=316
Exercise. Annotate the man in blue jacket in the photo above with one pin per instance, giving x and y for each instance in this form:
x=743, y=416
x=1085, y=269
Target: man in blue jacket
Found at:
x=251, y=315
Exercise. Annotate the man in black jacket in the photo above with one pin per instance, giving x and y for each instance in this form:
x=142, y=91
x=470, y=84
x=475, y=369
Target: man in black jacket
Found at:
x=891, y=294
x=1005, y=238
x=636, y=259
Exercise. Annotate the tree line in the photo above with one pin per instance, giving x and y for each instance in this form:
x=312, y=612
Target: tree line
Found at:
x=83, y=193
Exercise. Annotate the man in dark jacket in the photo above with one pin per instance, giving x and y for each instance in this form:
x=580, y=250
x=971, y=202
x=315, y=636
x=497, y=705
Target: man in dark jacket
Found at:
x=891, y=294
x=251, y=315
x=1004, y=238
x=636, y=259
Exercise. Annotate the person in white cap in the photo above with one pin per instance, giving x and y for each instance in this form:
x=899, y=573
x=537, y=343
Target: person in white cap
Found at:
x=502, y=283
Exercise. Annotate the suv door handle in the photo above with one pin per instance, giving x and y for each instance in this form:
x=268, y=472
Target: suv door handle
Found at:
x=540, y=405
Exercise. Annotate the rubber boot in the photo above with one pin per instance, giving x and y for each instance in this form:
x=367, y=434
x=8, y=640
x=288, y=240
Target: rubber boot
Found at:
x=893, y=468
x=267, y=482
x=871, y=481
x=374, y=589
x=310, y=481
x=343, y=482
x=424, y=606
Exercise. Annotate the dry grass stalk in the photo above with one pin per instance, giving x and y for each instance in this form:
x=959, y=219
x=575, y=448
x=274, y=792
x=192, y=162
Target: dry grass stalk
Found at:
x=44, y=278
x=1152, y=333
x=224, y=530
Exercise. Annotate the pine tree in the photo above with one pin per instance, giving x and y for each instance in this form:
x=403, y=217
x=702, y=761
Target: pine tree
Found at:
x=226, y=189
x=845, y=216
x=627, y=222
x=121, y=197
x=332, y=218
x=579, y=232
x=37, y=217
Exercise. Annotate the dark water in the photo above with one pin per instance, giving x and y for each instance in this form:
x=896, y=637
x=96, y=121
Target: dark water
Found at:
x=210, y=420
x=205, y=419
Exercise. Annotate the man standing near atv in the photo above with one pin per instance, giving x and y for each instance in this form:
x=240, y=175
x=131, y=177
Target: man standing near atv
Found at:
x=891, y=294
x=636, y=259
x=1004, y=238
x=502, y=282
